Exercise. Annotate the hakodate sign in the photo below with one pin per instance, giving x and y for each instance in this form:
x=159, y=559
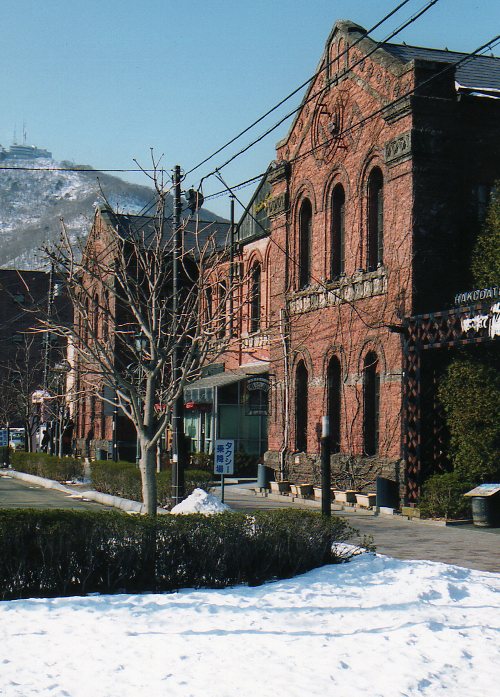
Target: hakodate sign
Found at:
x=474, y=296
x=480, y=323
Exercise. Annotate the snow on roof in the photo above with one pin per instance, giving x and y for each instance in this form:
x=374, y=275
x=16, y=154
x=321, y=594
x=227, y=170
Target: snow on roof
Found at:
x=200, y=502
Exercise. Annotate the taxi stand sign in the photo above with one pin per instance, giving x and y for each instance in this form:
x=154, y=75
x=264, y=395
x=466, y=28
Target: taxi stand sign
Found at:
x=223, y=461
x=224, y=457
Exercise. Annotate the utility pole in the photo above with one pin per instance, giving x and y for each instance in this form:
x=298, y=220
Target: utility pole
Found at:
x=178, y=445
x=326, y=492
x=46, y=336
x=231, y=272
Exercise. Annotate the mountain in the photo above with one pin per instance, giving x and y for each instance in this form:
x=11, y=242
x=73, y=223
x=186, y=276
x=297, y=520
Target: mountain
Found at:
x=32, y=204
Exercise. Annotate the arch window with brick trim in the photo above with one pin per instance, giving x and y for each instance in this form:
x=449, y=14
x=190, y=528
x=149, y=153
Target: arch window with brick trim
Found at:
x=305, y=241
x=222, y=309
x=95, y=316
x=301, y=407
x=334, y=396
x=338, y=232
x=375, y=236
x=371, y=403
x=106, y=316
x=255, y=296
x=208, y=305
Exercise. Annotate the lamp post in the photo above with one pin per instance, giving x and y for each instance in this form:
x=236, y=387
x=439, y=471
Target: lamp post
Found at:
x=326, y=492
x=114, y=442
x=178, y=449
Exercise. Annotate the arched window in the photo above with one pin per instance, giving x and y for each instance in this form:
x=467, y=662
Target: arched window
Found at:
x=338, y=231
x=375, y=238
x=106, y=316
x=86, y=320
x=371, y=403
x=222, y=309
x=208, y=306
x=334, y=402
x=255, y=297
x=305, y=234
x=95, y=316
x=301, y=407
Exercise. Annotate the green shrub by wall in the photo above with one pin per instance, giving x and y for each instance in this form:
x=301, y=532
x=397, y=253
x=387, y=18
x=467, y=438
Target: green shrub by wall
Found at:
x=470, y=393
x=443, y=497
x=124, y=479
x=61, y=469
x=58, y=553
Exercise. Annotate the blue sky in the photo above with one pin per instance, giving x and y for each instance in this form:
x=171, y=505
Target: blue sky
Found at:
x=103, y=81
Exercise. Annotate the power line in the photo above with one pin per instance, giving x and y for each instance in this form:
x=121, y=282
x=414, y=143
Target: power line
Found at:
x=297, y=89
x=490, y=44
x=378, y=45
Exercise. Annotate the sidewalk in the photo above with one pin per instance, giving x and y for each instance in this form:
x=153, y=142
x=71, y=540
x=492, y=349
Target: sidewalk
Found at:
x=467, y=545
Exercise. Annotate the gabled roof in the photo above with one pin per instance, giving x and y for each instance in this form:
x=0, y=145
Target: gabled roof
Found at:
x=479, y=76
x=140, y=227
x=478, y=73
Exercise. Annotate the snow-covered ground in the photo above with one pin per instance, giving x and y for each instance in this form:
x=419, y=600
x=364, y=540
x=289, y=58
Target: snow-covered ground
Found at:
x=373, y=627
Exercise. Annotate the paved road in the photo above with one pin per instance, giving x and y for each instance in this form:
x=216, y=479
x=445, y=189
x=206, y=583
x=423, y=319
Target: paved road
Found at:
x=467, y=546
x=15, y=493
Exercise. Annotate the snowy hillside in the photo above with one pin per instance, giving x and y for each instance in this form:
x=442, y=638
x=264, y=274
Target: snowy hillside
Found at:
x=33, y=202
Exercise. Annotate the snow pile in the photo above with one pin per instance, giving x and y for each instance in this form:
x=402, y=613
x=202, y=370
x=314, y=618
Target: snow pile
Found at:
x=376, y=627
x=200, y=502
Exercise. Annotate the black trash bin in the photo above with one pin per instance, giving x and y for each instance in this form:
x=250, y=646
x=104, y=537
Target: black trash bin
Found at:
x=264, y=475
x=387, y=493
x=485, y=505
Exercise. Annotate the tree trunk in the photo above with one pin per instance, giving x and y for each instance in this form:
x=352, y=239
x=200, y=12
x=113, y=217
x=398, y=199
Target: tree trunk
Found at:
x=147, y=466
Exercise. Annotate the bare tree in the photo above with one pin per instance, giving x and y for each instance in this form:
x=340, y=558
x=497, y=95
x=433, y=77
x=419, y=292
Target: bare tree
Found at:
x=129, y=347
x=20, y=376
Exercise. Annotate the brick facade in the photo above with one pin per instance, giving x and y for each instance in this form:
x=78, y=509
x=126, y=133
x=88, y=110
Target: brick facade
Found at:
x=388, y=149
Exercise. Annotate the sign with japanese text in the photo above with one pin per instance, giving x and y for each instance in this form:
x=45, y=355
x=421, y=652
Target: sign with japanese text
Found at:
x=224, y=457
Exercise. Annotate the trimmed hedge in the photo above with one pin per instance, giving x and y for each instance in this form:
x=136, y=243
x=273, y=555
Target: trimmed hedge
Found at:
x=61, y=553
x=443, y=497
x=61, y=469
x=124, y=479
x=244, y=465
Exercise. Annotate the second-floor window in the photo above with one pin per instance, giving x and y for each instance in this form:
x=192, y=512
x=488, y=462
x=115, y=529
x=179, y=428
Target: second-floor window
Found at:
x=301, y=407
x=255, y=297
x=371, y=403
x=305, y=235
x=221, y=309
x=375, y=237
x=338, y=231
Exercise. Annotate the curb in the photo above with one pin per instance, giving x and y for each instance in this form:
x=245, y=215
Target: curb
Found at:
x=97, y=496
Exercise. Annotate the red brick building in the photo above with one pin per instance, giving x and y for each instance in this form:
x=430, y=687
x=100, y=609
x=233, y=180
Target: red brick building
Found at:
x=375, y=199
x=30, y=360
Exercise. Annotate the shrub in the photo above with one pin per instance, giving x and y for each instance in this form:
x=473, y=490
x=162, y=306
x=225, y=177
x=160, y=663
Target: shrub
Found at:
x=117, y=478
x=202, y=461
x=443, y=497
x=124, y=479
x=470, y=393
x=56, y=553
x=50, y=466
x=244, y=465
x=193, y=479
